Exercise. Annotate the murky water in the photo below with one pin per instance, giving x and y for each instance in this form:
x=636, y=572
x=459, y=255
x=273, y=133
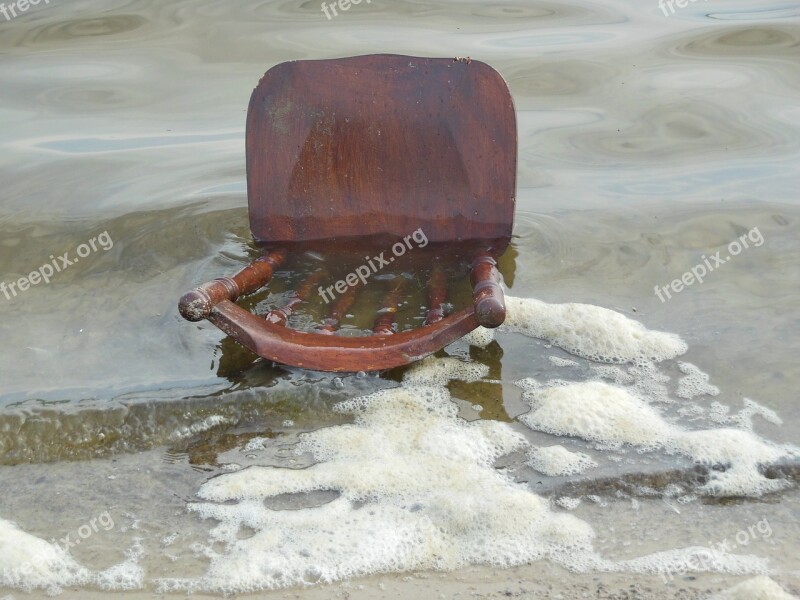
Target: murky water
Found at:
x=648, y=141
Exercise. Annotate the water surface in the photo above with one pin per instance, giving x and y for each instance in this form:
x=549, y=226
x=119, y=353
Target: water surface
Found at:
x=646, y=141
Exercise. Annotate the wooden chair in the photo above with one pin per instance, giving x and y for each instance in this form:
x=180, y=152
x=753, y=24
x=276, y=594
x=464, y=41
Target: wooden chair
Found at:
x=352, y=155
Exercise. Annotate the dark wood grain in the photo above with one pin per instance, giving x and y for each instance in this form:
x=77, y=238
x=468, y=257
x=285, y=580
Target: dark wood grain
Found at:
x=351, y=155
x=337, y=353
x=197, y=304
x=381, y=145
x=437, y=295
x=387, y=313
x=490, y=305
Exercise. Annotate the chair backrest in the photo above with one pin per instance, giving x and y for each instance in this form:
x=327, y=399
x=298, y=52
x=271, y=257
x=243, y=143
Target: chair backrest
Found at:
x=381, y=145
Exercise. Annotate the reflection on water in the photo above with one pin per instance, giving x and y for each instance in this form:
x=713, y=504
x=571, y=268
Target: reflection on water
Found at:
x=645, y=142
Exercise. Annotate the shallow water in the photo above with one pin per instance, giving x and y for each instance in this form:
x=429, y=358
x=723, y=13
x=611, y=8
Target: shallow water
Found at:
x=646, y=142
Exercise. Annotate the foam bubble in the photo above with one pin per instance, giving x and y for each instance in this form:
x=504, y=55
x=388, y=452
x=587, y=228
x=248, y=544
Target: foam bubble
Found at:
x=597, y=412
x=568, y=502
x=756, y=588
x=744, y=418
x=480, y=337
x=614, y=374
x=696, y=559
x=28, y=562
x=415, y=487
x=591, y=331
x=417, y=490
x=612, y=416
x=558, y=461
x=562, y=362
x=439, y=371
x=695, y=383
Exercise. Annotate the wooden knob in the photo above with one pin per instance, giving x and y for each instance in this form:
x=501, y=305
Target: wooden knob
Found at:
x=487, y=295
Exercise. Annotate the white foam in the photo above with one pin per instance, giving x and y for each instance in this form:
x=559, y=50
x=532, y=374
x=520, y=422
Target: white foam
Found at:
x=256, y=443
x=28, y=562
x=480, y=337
x=568, y=502
x=614, y=374
x=418, y=490
x=612, y=416
x=562, y=362
x=597, y=412
x=591, y=331
x=695, y=382
x=744, y=418
x=558, y=461
x=439, y=371
x=756, y=588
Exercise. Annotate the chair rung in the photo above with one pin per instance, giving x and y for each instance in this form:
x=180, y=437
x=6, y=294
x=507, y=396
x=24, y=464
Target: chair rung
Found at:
x=437, y=296
x=387, y=314
x=281, y=315
x=340, y=307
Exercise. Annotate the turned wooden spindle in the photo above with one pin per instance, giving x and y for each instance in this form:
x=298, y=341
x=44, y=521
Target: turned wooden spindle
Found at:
x=487, y=295
x=198, y=304
x=340, y=307
x=281, y=315
x=387, y=315
x=437, y=295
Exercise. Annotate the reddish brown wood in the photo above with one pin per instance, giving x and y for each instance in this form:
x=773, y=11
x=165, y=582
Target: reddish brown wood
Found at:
x=490, y=304
x=280, y=315
x=338, y=353
x=372, y=148
x=197, y=304
x=337, y=312
x=387, y=314
x=381, y=145
x=437, y=295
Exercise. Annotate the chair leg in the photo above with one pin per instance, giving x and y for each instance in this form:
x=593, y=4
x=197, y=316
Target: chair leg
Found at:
x=198, y=304
x=437, y=295
x=387, y=315
x=281, y=315
x=487, y=295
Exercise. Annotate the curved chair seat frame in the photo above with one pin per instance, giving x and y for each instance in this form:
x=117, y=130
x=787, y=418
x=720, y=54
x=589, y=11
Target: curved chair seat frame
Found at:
x=372, y=147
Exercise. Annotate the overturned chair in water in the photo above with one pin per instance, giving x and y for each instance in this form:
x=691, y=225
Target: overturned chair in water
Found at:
x=354, y=159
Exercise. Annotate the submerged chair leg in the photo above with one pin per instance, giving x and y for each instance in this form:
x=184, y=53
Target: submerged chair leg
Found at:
x=337, y=312
x=487, y=295
x=198, y=304
x=281, y=315
x=437, y=295
x=387, y=315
